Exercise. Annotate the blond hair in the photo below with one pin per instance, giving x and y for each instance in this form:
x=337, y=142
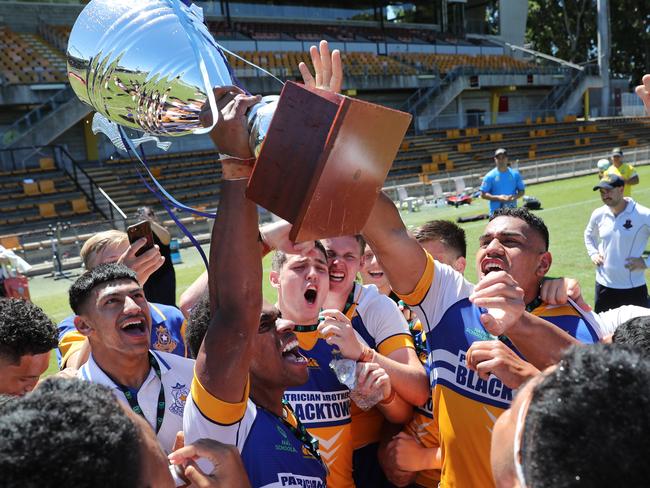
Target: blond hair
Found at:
x=97, y=243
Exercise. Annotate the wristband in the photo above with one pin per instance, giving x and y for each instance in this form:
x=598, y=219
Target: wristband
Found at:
x=389, y=399
x=367, y=355
x=237, y=169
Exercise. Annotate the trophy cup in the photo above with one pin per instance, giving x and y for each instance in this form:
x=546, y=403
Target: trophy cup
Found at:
x=151, y=65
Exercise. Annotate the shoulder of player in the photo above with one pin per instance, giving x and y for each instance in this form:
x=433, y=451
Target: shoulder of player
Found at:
x=370, y=298
x=165, y=313
x=179, y=365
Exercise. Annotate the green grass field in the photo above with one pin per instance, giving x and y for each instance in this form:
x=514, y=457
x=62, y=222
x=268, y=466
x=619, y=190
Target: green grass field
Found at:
x=567, y=205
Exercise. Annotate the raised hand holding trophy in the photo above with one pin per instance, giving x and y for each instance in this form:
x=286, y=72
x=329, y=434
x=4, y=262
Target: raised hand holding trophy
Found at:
x=321, y=157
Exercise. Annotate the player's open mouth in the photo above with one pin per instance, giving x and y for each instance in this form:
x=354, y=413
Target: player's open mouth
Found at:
x=292, y=354
x=134, y=327
x=310, y=295
x=337, y=277
x=490, y=265
x=376, y=274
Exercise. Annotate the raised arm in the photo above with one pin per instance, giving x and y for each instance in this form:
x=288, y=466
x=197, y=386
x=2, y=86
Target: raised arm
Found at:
x=235, y=275
x=400, y=256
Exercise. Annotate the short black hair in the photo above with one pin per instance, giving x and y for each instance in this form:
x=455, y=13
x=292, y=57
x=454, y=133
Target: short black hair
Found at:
x=104, y=273
x=635, y=333
x=527, y=216
x=445, y=231
x=68, y=432
x=280, y=257
x=24, y=329
x=596, y=400
x=197, y=324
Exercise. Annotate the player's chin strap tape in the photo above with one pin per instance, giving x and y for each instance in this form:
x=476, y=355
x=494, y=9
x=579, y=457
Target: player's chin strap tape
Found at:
x=165, y=198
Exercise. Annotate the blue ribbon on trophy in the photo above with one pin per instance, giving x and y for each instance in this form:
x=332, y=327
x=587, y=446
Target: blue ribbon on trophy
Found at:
x=151, y=66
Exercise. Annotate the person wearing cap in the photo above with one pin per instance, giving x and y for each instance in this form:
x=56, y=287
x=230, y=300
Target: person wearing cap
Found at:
x=616, y=236
x=624, y=170
x=502, y=186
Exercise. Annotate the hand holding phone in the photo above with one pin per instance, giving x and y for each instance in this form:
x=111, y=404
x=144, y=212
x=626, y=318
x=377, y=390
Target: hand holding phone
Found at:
x=138, y=231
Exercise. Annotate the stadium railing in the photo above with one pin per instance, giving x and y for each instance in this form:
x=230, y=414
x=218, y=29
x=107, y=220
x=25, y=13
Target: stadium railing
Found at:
x=538, y=171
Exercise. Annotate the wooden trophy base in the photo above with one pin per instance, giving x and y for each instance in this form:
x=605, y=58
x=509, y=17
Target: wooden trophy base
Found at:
x=324, y=161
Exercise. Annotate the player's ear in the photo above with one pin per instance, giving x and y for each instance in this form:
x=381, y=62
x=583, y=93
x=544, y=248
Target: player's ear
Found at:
x=544, y=264
x=82, y=324
x=460, y=264
x=274, y=278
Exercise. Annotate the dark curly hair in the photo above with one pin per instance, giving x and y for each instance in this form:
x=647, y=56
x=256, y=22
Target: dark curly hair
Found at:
x=635, y=333
x=596, y=402
x=24, y=329
x=68, y=432
x=104, y=273
x=197, y=324
x=527, y=216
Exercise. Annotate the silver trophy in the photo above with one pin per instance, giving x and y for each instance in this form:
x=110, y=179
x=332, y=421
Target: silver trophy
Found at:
x=151, y=65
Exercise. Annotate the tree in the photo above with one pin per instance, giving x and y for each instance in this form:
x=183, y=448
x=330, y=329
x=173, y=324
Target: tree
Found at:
x=568, y=29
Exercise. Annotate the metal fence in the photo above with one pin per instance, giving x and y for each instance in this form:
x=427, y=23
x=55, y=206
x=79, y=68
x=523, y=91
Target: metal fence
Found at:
x=532, y=172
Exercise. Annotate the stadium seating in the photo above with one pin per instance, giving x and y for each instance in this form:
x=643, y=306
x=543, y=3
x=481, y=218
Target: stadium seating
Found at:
x=285, y=63
x=27, y=58
x=37, y=197
x=473, y=148
x=444, y=63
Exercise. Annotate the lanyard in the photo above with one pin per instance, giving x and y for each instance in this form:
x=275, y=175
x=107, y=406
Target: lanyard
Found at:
x=300, y=432
x=350, y=304
x=133, y=401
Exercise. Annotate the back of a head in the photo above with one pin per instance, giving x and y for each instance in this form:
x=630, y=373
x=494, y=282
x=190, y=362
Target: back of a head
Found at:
x=445, y=231
x=97, y=243
x=197, y=325
x=68, y=432
x=104, y=273
x=634, y=333
x=24, y=329
x=522, y=213
x=588, y=421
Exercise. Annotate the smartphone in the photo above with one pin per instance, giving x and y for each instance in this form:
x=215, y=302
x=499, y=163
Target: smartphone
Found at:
x=138, y=231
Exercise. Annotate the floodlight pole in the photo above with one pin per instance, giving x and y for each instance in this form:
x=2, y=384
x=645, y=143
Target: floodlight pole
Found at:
x=604, y=50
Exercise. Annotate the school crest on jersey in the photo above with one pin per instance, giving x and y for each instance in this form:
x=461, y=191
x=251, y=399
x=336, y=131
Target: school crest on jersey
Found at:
x=164, y=341
x=179, y=395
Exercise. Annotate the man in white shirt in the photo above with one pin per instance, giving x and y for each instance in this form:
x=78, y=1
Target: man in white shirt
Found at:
x=615, y=238
x=113, y=313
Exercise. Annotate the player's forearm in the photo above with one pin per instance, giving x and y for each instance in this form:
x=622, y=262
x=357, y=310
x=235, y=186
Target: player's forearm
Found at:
x=397, y=410
x=541, y=342
x=520, y=194
x=193, y=294
x=634, y=180
x=409, y=381
x=401, y=257
x=235, y=278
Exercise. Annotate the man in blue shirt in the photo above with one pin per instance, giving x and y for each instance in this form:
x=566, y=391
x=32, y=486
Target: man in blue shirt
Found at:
x=502, y=186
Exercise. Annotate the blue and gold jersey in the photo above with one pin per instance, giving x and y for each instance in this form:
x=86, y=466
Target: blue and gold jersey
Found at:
x=167, y=333
x=323, y=406
x=464, y=405
x=272, y=454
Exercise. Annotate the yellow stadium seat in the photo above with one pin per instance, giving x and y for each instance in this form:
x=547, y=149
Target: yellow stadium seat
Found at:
x=10, y=242
x=80, y=206
x=46, y=186
x=46, y=210
x=46, y=164
x=31, y=188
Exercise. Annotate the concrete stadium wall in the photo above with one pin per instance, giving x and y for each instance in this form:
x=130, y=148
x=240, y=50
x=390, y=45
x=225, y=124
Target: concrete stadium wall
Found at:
x=25, y=17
